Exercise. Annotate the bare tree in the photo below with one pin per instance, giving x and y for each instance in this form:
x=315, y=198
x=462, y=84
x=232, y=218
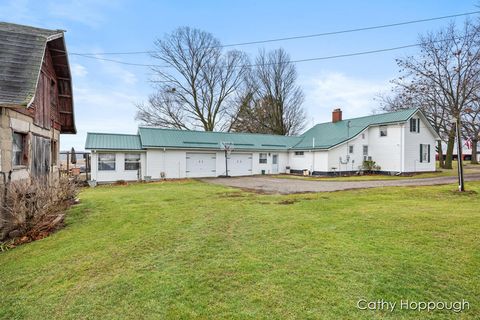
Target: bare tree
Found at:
x=196, y=85
x=273, y=101
x=445, y=76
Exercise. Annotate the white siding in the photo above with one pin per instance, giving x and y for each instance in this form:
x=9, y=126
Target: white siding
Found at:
x=412, y=147
x=173, y=163
x=119, y=173
x=337, y=156
x=386, y=151
x=301, y=162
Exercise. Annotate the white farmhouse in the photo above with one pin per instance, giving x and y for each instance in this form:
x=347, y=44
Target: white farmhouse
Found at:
x=398, y=142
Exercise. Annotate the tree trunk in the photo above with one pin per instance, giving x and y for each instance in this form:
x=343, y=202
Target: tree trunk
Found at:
x=474, y=152
x=450, y=145
x=441, y=162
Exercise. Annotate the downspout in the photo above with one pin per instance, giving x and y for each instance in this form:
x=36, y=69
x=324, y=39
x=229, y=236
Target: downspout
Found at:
x=313, y=155
x=402, y=164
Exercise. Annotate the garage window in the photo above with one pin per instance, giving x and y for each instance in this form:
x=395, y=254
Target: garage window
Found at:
x=262, y=158
x=132, y=161
x=106, y=161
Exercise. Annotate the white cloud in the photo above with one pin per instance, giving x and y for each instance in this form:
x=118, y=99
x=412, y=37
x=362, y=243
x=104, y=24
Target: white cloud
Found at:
x=355, y=96
x=78, y=70
x=101, y=109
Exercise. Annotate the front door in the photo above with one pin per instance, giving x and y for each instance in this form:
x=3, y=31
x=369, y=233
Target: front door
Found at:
x=274, y=163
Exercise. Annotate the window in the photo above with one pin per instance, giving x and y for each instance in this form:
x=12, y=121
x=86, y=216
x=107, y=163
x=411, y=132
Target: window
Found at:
x=262, y=158
x=350, y=149
x=424, y=153
x=363, y=135
x=106, y=161
x=54, y=150
x=383, y=131
x=19, y=150
x=365, y=153
x=415, y=125
x=299, y=153
x=132, y=161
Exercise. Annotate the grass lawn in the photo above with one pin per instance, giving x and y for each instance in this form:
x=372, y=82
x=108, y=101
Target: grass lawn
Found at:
x=187, y=249
x=468, y=168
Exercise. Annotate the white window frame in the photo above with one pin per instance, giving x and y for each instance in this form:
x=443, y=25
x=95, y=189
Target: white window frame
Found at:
x=424, y=157
x=350, y=149
x=383, y=131
x=128, y=161
x=299, y=153
x=365, y=154
x=100, y=161
x=262, y=158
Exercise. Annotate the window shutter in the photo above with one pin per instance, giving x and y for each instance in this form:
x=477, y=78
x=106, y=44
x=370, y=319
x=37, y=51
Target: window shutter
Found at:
x=429, y=153
x=418, y=125
x=421, y=149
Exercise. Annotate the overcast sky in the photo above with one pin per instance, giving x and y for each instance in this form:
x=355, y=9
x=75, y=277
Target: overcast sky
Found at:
x=105, y=92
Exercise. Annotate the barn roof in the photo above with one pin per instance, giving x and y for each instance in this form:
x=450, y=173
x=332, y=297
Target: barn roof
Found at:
x=321, y=136
x=22, y=50
x=21, y=54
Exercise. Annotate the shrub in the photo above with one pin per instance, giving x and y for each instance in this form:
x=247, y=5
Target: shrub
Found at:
x=370, y=165
x=31, y=206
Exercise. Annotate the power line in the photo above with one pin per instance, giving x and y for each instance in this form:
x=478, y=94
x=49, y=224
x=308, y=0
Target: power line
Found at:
x=352, y=54
x=301, y=36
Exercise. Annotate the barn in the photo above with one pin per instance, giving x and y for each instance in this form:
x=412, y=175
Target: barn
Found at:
x=398, y=142
x=36, y=102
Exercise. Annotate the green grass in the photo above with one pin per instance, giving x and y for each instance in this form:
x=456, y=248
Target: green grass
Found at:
x=183, y=250
x=468, y=168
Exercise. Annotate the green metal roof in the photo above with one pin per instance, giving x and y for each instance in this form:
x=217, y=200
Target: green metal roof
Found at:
x=171, y=138
x=327, y=135
x=113, y=141
x=321, y=136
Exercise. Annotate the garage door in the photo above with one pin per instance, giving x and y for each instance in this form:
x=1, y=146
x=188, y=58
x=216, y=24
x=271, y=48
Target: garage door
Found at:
x=240, y=164
x=201, y=165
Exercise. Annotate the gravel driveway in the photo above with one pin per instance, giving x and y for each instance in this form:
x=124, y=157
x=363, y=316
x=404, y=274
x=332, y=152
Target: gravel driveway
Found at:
x=285, y=186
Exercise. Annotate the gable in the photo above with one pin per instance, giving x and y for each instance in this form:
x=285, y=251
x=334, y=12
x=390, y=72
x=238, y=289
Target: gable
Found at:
x=24, y=52
x=330, y=134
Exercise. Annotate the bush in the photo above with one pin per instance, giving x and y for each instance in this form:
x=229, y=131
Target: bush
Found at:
x=370, y=165
x=32, y=206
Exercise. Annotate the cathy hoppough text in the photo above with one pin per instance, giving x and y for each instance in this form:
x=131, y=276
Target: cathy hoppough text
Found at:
x=384, y=305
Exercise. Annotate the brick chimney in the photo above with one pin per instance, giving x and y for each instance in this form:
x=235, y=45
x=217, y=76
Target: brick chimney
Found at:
x=336, y=115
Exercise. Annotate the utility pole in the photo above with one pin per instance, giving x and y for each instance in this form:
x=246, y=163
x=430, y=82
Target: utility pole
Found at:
x=461, y=183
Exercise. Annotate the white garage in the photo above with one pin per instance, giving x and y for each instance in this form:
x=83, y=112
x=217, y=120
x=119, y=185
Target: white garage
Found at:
x=201, y=164
x=240, y=164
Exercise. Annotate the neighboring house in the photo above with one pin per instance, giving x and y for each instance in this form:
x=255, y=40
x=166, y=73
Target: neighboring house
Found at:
x=399, y=142
x=36, y=103
x=466, y=151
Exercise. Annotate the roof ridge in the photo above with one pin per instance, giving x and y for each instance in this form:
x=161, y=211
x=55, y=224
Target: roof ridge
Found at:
x=17, y=25
x=217, y=132
x=115, y=134
x=372, y=115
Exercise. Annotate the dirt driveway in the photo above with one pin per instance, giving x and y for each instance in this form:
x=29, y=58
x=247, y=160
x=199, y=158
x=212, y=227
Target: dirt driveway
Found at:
x=285, y=186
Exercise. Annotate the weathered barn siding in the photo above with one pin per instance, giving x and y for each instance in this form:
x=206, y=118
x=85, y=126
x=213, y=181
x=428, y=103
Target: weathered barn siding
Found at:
x=35, y=102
